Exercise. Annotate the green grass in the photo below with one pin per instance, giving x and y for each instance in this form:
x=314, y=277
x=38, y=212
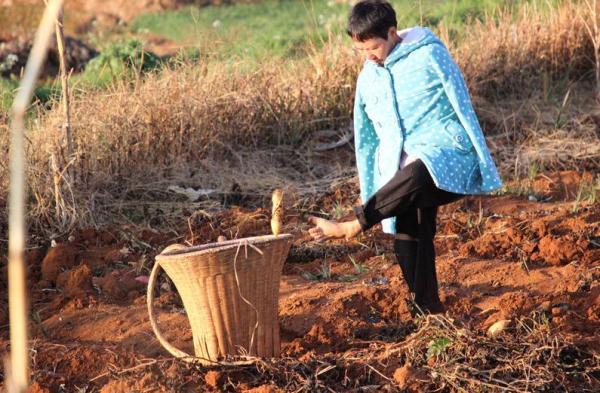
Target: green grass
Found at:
x=437, y=347
x=323, y=273
x=337, y=211
x=454, y=13
x=7, y=91
x=359, y=267
x=587, y=192
x=283, y=28
x=118, y=61
x=247, y=31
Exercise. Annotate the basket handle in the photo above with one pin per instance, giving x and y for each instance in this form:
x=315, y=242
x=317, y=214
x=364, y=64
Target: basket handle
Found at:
x=150, y=302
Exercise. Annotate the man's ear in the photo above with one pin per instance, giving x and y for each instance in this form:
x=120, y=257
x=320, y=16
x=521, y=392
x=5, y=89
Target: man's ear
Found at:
x=392, y=32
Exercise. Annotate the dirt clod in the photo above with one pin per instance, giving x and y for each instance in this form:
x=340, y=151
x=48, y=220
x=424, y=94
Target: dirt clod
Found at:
x=557, y=251
x=76, y=282
x=407, y=378
x=214, y=379
x=56, y=260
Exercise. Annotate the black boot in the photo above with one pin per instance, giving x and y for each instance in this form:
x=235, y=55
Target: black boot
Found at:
x=406, y=256
x=425, y=277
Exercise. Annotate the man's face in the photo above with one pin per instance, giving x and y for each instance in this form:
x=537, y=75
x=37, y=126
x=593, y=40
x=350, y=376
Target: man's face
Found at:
x=376, y=49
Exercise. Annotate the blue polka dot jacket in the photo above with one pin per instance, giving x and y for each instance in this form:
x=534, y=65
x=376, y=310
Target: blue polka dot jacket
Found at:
x=417, y=102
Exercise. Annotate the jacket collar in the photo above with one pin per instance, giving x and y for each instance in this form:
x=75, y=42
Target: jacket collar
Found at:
x=412, y=39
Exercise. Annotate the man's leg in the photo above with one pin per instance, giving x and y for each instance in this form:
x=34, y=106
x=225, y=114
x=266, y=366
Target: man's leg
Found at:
x=411, y=187
x=411, y=195
x=405, y=245
x=415, y=253
x=425, y=277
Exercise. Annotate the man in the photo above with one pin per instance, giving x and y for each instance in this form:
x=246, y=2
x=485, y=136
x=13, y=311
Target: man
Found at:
x=418, y=142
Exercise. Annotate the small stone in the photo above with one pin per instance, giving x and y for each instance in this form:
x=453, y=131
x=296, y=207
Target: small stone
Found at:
x=498, y=327
x=143, y=279
x=559, y=309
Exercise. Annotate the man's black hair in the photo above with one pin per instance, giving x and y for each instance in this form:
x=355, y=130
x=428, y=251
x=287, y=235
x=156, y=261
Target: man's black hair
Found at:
x=371, y=19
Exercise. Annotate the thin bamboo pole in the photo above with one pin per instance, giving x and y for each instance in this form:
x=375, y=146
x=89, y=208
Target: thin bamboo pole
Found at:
x=57, y=193
x=19, y=358
x=64, y=77
x=596, y=41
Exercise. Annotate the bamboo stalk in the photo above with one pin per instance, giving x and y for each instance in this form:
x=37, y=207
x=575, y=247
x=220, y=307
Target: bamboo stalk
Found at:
x=19, y=357
x=593, y=30
x=56, y=180
x=277, y=211
x=64, y=76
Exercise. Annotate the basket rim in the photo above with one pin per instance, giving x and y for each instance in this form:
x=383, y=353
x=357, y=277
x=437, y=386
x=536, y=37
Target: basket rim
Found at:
x=221, y=246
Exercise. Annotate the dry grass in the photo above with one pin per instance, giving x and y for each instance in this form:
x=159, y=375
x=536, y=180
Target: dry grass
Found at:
x=528, y=52
x=214, y=126
x=445, y=355
x=528, y=358
x=552, y=135
x=193, y=126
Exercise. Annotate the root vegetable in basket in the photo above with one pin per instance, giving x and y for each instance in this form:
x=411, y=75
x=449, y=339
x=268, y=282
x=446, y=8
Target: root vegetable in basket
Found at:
x=277, y=212
x=173, y=247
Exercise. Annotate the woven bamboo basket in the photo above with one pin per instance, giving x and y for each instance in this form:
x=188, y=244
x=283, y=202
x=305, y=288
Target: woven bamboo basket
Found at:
x=230, y=291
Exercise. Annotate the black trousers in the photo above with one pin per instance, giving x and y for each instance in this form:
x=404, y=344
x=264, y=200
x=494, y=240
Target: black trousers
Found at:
x=413, y=198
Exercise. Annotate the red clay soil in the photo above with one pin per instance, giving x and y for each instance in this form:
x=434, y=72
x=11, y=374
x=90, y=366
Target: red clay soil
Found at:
x=502, y=257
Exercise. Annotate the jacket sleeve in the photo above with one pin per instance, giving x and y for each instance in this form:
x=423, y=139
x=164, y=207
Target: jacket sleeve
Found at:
x=365, y=145
x=458, y=95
